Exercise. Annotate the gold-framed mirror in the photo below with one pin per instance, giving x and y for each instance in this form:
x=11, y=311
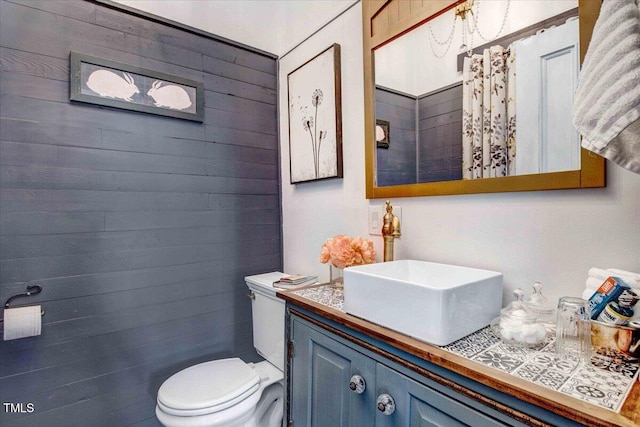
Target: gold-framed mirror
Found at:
x=384, y=22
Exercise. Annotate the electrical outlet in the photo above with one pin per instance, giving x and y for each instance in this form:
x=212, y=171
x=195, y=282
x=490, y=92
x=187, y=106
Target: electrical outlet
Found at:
x=376, y=215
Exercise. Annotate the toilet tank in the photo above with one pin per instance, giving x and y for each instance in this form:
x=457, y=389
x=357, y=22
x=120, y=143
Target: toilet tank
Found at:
x=268, y=317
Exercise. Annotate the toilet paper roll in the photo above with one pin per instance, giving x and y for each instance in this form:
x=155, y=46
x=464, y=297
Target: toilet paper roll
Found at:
x=22, y=322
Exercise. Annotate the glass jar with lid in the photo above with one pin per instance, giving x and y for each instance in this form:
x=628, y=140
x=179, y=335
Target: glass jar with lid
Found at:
x=519, y=326
x=539, y=304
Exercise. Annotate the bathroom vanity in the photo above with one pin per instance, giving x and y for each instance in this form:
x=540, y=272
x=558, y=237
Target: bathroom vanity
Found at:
x=343, y=370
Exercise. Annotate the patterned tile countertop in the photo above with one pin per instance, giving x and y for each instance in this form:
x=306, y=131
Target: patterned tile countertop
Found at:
x=605, y=383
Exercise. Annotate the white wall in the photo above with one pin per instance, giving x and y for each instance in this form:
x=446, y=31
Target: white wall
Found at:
x=550, y=236
x=274, y=26
x=315, y=211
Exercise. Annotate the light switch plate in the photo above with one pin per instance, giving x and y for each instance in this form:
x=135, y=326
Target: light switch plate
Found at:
x=376, y=214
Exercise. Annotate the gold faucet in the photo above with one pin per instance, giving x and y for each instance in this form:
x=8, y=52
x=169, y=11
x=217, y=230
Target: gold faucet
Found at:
x=390, y=230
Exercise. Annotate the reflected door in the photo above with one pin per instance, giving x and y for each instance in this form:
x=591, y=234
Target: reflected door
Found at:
x=547, y=67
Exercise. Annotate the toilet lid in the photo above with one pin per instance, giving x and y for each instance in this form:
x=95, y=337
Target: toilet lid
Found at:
x=211, y=386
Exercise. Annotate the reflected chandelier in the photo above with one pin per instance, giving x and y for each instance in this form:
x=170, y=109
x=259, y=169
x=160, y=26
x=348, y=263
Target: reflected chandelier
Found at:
x=469, y=28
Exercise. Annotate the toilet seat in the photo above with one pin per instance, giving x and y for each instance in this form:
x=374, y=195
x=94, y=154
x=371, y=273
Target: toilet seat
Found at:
x=208, y=387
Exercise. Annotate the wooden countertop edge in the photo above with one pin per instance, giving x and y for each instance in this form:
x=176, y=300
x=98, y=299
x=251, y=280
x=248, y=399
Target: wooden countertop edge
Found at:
x=557, y=402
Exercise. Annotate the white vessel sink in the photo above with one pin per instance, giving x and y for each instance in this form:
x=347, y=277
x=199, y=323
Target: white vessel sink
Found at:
x=435, y=303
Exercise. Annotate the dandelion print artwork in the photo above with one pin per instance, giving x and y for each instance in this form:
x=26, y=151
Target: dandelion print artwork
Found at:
x=309, y=124
x=315, y=123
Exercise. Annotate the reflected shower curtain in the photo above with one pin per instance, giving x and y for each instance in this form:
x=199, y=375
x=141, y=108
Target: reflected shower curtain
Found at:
x=488, y=114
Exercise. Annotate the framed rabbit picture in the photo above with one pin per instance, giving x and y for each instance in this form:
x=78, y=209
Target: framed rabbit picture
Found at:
x=113, y=84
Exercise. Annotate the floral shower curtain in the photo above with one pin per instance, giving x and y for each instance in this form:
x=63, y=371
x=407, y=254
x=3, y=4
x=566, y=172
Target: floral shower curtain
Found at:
x=489, y=114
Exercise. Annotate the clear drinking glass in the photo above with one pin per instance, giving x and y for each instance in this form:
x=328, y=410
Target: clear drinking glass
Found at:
x=573, y=330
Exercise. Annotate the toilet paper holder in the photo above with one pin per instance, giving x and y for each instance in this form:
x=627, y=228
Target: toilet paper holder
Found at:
x=31, y=290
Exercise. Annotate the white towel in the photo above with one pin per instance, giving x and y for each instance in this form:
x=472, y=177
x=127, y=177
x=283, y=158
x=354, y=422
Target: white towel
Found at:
x=594, y=283
x=630, y=278
x=599, y=273
x=587, y=293
x=607, y=101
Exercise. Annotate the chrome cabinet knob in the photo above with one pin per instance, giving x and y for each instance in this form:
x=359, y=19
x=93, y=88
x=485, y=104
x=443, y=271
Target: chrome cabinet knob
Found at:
x=386, y=404
x=357, y=384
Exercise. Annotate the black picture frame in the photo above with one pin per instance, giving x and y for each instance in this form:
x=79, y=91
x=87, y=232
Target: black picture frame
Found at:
x=383, y=141
x=315, y=115
x=109, y=83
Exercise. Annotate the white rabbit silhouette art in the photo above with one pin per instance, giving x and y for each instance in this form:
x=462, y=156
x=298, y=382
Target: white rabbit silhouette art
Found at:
x=110, y=85
x=169, y=96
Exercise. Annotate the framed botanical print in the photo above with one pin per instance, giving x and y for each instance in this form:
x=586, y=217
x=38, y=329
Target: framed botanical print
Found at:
x=315, y=118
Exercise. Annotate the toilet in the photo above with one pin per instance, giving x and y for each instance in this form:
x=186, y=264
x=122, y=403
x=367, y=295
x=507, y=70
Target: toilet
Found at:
x=231, y=392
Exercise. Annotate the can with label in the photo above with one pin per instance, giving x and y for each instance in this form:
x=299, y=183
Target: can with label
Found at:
x=613, y=314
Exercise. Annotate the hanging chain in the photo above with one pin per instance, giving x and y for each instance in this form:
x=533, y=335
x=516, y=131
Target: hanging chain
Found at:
x=448, y=40
x=446, y=43
x=476, y=17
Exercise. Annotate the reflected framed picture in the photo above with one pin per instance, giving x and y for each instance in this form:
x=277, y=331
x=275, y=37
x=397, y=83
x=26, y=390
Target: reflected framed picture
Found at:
x=113, y=84
x=382, y=134
x=315, y=118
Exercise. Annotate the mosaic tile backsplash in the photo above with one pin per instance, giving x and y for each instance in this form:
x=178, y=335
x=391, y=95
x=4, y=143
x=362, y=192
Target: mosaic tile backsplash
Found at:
x=605, y=383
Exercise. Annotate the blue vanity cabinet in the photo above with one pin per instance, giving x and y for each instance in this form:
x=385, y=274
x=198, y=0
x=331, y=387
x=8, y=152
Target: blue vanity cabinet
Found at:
x=324, y=368
x=321, y=371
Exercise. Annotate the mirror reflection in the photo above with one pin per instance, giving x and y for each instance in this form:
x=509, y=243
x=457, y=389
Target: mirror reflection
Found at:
x=445, y=112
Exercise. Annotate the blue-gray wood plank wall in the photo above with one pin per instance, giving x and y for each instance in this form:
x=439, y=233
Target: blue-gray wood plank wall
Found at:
x=396, y=165
x=140, y=228
x=440, y=135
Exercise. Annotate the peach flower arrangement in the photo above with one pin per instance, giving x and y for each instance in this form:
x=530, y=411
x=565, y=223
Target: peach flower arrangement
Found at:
x=344, y=251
